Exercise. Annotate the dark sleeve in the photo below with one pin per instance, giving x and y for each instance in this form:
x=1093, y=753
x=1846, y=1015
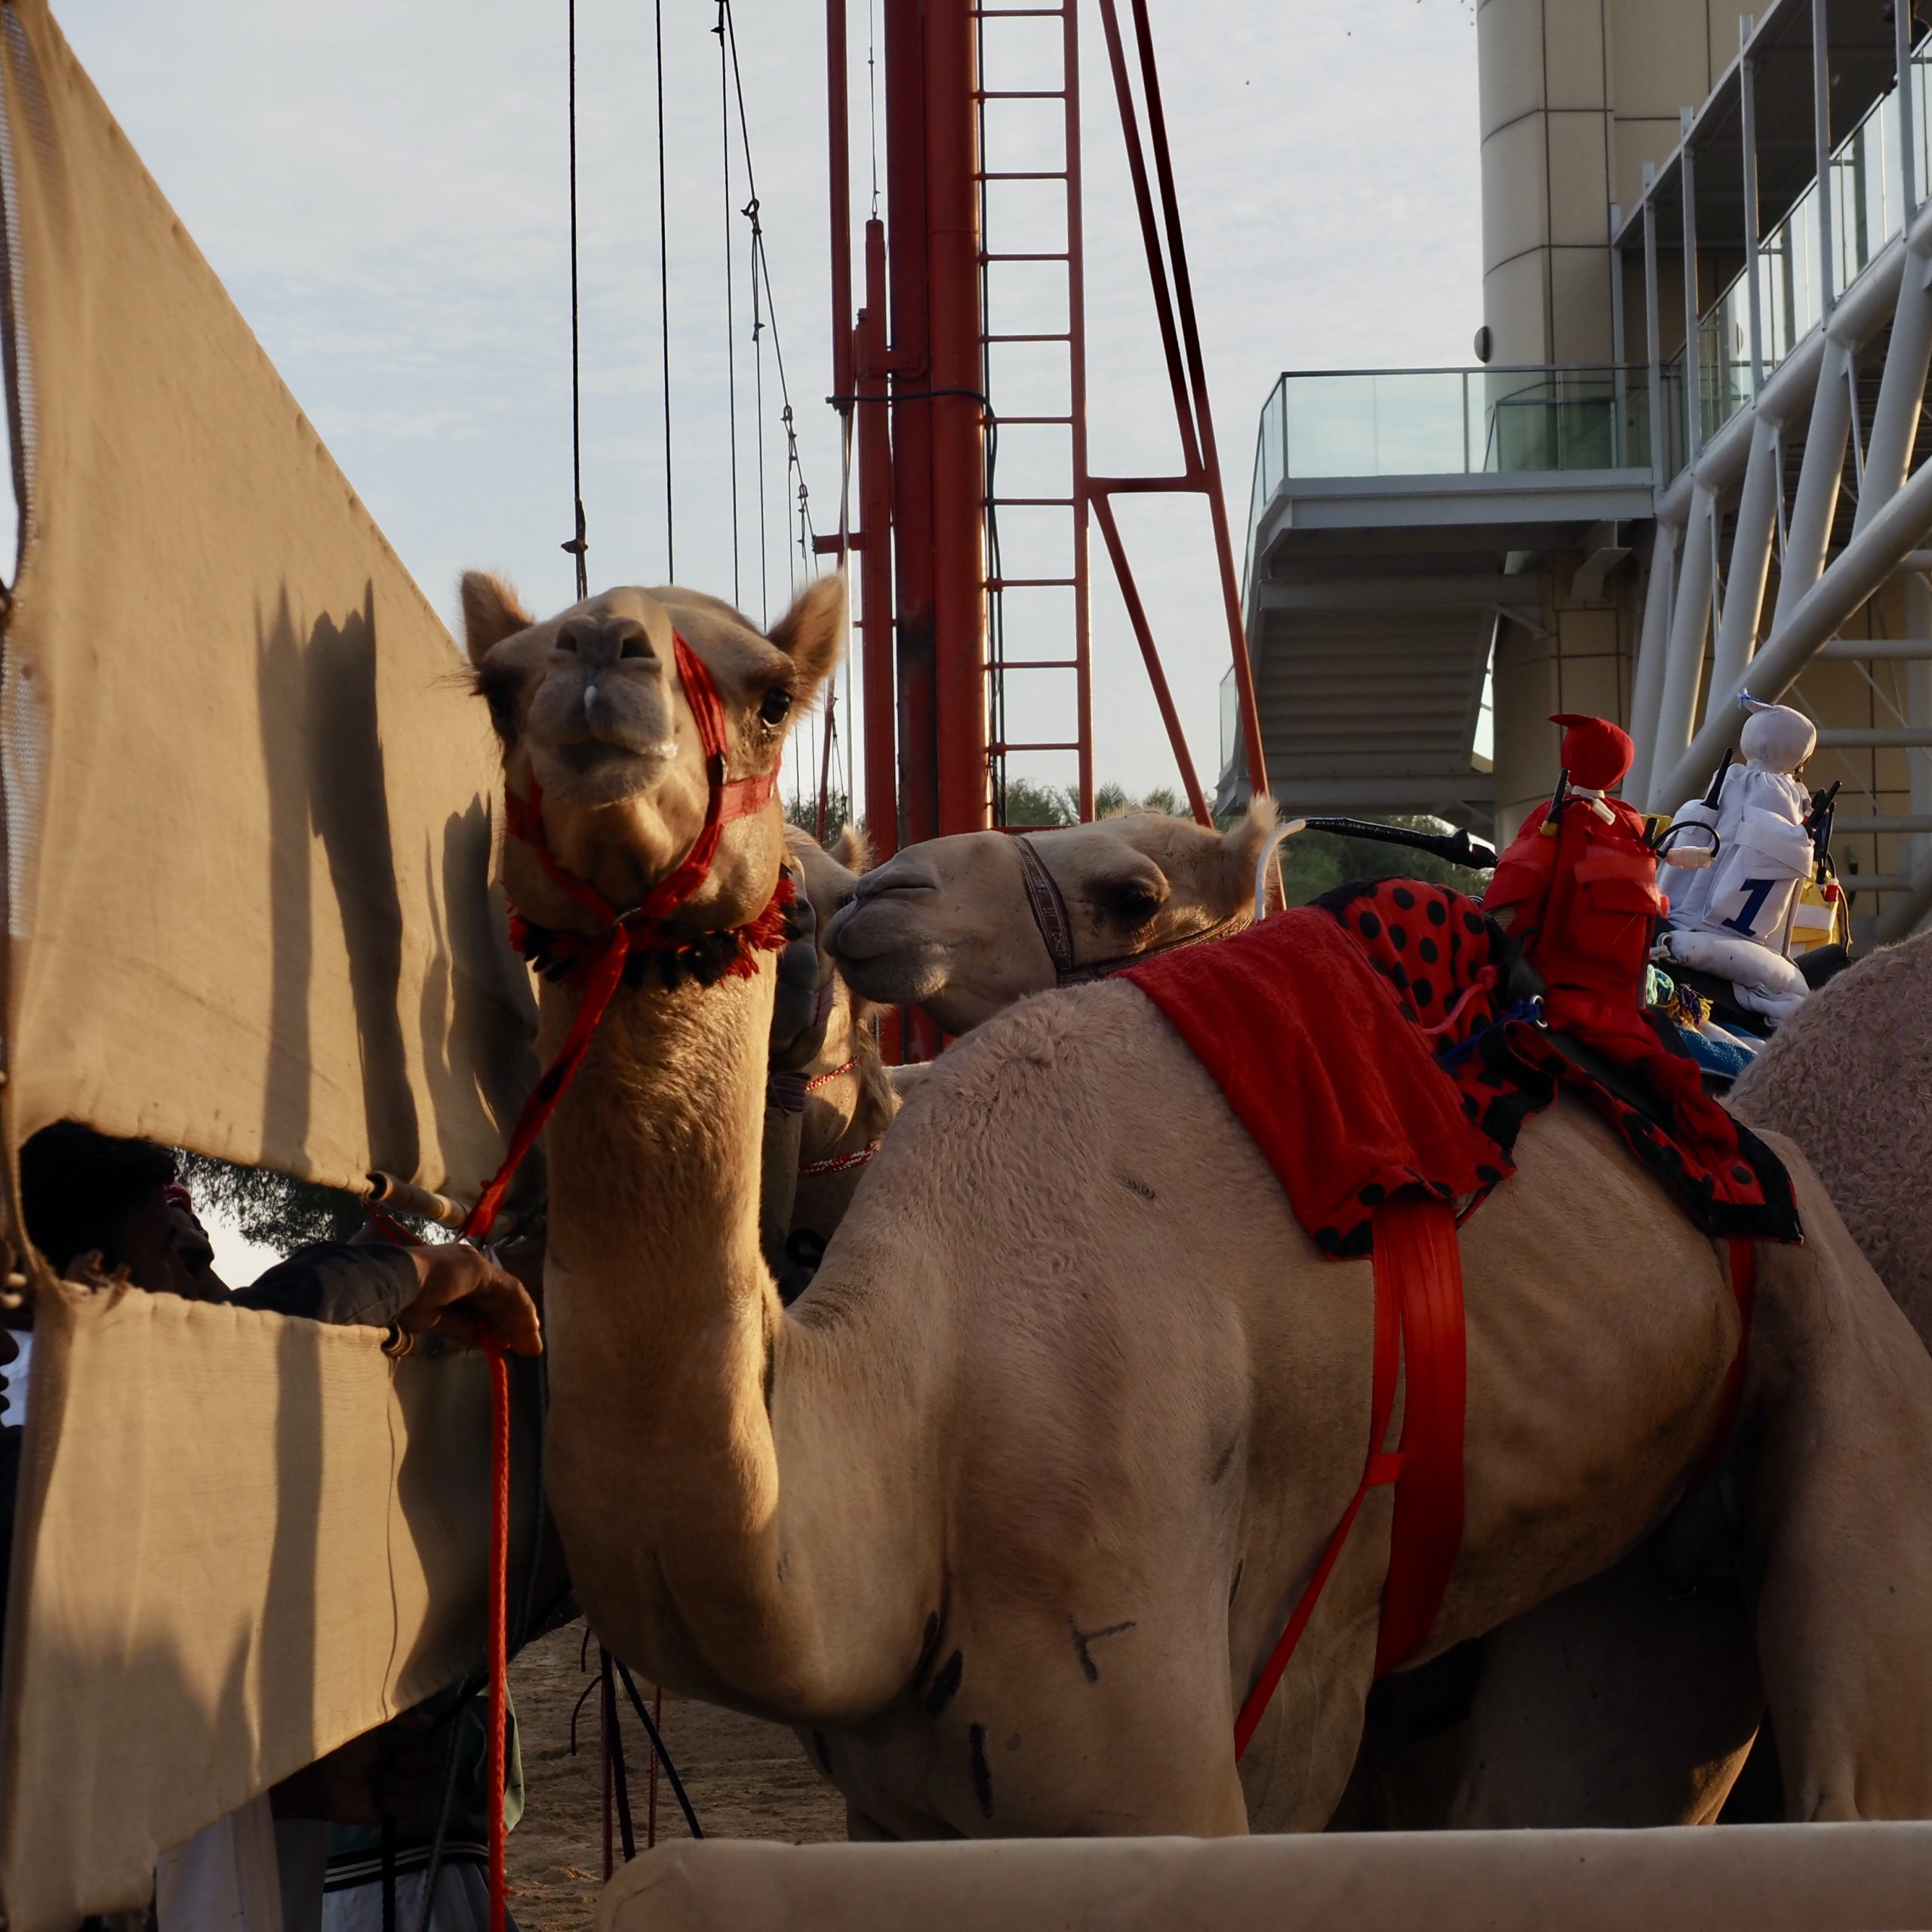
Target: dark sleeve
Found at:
x=9, y=1484
x=333, y=1282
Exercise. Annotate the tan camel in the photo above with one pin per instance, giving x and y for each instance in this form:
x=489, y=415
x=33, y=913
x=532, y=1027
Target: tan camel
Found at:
x=1006, y=1511
x=849, y=1098
x=1849, y=1078
x=946, y=924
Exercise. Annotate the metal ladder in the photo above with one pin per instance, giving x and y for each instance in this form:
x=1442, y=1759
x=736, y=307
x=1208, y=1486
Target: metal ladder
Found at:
x=1043, y=649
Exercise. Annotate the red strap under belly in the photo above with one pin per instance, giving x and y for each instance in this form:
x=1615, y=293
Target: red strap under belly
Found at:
x=1418, y=1293
x=1415, y=1240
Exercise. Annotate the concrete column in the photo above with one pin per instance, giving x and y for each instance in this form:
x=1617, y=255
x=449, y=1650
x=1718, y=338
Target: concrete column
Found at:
x=1574, y=96
x=1684, y=663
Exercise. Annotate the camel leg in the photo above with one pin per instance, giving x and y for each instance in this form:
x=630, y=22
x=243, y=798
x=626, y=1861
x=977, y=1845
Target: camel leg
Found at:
x=1615, y=1703
x=1842, y=1390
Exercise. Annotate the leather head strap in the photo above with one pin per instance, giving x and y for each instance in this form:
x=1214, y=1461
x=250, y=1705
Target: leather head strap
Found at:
x=727, y=799
x=1048, y=906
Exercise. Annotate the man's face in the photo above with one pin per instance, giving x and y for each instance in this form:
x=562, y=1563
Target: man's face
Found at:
x=168, y=1251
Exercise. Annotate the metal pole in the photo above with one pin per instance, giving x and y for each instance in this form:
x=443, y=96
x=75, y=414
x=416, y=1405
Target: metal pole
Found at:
x=1104, y=514
x=1684, y=662
x=1747, y=90
x=914, y=623
x=1907, y=150
x=1204, y=415
x=1619, y=382
x=1693, y=373
x=875, y=495
x=1820, y=470
x=958, y=477
x=1653, y=644
x=842, y=206
x=1652, y=337
x=1076, y=322
x=1856, y=573
x=1750, y=557
x=1821, y=137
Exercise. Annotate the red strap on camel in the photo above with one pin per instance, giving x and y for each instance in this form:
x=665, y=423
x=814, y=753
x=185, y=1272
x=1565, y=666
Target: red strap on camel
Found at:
x=1419, y=1295
x=727, y=800
x=1418, y=1280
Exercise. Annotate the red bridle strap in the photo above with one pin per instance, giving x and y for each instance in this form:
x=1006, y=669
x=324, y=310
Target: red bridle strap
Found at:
x=727, y=799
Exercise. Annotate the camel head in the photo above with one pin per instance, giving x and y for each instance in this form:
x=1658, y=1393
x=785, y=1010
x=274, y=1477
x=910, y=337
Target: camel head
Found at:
x=590, y=707
x=947, y=925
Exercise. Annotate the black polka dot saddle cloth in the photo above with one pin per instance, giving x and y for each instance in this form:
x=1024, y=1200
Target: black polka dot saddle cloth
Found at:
x=1458, y=977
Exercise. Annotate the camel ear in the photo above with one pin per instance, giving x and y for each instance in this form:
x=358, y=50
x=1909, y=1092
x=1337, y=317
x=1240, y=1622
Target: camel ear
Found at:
x=853, y=849
x=1240, y=847
x=491, y=611
x=812, y=632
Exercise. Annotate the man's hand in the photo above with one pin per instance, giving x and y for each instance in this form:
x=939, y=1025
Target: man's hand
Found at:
x=463, y=1292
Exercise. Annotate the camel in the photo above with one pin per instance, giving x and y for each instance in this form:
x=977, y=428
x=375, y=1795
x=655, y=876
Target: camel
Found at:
x=946, y=924
x=1005, y=1512
x=1849, y=1078
x=847, y=1096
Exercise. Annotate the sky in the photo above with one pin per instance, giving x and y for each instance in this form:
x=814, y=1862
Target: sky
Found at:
x=382, y=188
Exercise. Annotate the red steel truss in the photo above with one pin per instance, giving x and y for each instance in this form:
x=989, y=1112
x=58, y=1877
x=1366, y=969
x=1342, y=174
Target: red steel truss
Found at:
x=912, y=373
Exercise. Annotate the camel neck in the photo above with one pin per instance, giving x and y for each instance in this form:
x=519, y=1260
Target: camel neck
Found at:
x=678, y=1386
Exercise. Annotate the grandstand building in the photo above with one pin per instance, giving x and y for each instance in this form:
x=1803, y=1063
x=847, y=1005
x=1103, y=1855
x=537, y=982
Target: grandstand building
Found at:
x=1687, y=463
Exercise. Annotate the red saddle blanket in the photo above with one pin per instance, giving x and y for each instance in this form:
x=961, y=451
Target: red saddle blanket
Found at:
x=1366, y=1042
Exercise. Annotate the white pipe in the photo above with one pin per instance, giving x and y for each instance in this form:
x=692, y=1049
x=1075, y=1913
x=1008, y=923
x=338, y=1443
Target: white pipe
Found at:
x=1864, y=564
x=1684, y=662
x=1901, y=392
x=1750, y=560
x=1653, y=644
x=1819, y=471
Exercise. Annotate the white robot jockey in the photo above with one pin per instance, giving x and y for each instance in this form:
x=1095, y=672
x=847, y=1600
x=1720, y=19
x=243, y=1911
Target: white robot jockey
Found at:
x=1736, y=861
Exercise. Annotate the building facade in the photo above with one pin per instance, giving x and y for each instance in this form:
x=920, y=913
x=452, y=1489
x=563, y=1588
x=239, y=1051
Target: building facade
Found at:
x=1590, y=517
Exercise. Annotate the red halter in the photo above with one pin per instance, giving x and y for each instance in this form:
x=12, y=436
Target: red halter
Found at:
x=600, y=961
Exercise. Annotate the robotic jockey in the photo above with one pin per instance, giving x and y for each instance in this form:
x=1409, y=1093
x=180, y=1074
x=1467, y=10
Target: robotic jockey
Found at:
x=1738, y=860
x=1577, y=890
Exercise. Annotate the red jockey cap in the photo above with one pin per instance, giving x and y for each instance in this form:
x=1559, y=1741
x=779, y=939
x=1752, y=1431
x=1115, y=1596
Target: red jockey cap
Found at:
x=1595, y=752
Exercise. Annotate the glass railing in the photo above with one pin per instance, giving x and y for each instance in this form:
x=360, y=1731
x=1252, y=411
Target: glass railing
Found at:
x=1868, y=209
x=1449, y=422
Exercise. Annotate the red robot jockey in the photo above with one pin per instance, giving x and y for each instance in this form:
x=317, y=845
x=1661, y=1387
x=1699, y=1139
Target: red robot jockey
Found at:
x=1577, y=889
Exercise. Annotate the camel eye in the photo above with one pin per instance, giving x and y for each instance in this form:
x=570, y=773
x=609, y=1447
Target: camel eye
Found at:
x=1136, y=904
x=777, y=707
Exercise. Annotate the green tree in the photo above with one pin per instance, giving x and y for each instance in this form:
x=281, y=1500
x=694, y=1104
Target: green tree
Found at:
x=1313, y=862
x=270, y=1208
x=1027, y=802
x=802, y=810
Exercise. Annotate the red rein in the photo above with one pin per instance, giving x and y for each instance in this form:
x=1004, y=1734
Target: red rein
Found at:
x=646, y=924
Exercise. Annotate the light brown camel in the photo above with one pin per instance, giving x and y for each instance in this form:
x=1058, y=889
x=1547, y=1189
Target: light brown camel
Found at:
x=944, y=924
x=1849, y=1078
x=847, y=1094
x=1006, y=1511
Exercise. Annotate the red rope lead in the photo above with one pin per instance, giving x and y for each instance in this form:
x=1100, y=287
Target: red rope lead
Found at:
x=499, y=1589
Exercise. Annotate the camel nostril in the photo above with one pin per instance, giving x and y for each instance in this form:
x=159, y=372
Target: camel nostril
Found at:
x=638, y=646
x=567, y=641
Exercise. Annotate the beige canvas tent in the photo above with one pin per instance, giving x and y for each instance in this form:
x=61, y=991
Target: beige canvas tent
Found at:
x=248, y=812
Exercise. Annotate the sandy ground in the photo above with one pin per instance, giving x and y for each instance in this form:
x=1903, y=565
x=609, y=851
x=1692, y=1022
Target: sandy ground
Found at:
x=746, y=1780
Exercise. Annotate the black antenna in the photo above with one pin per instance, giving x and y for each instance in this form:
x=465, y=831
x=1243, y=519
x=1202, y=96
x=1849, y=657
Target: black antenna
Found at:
x=1713, y=797
x=1818, y=822
x=1559, y=799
